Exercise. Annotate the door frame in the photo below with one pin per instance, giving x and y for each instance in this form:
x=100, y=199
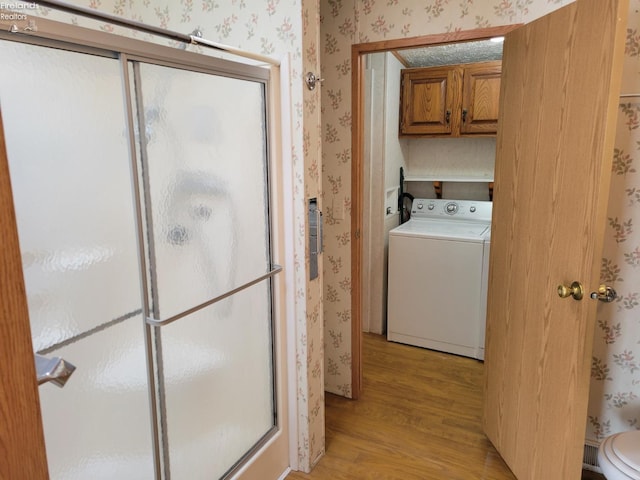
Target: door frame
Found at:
x=358, y=51
x=23, y=436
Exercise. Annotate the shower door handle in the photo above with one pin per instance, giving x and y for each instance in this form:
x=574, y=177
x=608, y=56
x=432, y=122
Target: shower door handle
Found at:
x=56, y=370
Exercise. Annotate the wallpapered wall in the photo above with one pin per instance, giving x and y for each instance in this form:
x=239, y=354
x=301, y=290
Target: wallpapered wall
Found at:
x=616, y=360
x=280, y=27
x=275, y=28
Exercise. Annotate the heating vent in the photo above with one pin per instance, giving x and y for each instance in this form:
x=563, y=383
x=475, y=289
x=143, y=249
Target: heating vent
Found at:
x=590, y=457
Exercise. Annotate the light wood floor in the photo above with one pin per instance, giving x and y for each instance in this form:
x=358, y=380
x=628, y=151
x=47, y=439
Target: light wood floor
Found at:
x=419, y=418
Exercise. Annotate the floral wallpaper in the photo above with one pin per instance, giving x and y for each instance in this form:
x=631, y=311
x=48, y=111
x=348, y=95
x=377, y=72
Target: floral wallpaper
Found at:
x=276, y=28
x=615, y=391
x=615, y=369
x=312, y=371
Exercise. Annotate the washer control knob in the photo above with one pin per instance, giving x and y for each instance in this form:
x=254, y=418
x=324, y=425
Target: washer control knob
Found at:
x=420, y=206
x=472, y=209
x=431, y=206
x=451, y=208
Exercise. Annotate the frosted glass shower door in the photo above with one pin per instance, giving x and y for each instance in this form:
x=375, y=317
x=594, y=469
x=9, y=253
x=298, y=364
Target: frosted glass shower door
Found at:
x=144, y=213
x=71, y=179
x=204, y=157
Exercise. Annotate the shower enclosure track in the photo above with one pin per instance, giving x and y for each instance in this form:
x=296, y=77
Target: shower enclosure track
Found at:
x=194, y=38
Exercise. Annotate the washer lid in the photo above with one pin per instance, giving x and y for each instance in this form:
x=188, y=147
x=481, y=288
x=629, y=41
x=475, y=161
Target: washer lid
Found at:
x=445, y=229
x=627, y=447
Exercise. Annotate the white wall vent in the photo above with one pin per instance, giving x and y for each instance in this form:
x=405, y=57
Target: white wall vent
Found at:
x=590, y=457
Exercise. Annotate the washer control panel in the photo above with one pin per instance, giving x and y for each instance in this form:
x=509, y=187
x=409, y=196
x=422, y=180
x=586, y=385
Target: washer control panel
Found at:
x=458, y=209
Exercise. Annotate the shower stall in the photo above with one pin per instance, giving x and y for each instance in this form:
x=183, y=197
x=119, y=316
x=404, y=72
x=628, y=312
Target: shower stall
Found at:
x=143, y=183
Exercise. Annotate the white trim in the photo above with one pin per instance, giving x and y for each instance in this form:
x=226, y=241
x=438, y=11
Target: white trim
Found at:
x=289, y=260
x=284, y=474
x=448, y=178
x=234, y=51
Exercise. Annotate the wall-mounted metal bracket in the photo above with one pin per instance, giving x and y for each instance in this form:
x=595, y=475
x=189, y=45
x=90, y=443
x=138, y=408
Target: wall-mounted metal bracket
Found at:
x=315, y=237
x=311, y=80
x=605, y=294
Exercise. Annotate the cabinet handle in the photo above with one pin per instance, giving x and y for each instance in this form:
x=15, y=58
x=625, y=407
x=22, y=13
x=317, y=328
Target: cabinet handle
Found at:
x=447, y=116
x=464, y=115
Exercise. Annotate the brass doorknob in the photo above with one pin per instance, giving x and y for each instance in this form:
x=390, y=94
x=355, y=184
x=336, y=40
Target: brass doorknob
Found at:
x=575, y=290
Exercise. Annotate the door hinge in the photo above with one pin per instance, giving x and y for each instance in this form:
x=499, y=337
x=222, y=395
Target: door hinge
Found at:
x=357, y=234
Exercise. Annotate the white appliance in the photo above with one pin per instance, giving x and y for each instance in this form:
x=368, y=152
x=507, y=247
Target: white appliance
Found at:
x=438, y=273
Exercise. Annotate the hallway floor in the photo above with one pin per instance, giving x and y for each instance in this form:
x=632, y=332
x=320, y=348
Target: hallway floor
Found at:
x=419, y=418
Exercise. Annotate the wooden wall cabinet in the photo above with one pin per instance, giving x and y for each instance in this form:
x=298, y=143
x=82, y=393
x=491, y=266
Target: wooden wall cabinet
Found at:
x=454, y=100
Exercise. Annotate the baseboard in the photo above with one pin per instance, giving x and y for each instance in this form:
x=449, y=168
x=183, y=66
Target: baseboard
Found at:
x=284, y=474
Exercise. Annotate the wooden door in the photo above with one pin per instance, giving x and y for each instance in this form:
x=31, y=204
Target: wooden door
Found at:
x=560, y=86
x=21, y=436
x=428, y=98
x=480, y=97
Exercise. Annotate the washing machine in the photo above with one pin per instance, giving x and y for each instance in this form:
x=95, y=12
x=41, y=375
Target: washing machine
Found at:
x=438, y=275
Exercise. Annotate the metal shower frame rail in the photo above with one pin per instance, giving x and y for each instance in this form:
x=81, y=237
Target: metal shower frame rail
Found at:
x=194, y=38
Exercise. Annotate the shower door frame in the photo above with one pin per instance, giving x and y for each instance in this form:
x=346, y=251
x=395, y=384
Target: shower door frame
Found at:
x=25, y=408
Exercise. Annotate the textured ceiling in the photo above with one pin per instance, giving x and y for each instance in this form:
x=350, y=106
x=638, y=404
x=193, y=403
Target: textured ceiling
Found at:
x=452, y=54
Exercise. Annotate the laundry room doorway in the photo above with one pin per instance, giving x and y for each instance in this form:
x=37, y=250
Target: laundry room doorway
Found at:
x=379, y=153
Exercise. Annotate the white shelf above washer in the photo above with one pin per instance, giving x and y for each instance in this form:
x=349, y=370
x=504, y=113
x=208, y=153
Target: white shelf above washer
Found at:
x=446, y=178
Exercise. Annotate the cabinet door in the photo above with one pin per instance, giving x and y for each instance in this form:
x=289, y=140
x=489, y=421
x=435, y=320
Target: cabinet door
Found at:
x=428, y=99
x=480, y=98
